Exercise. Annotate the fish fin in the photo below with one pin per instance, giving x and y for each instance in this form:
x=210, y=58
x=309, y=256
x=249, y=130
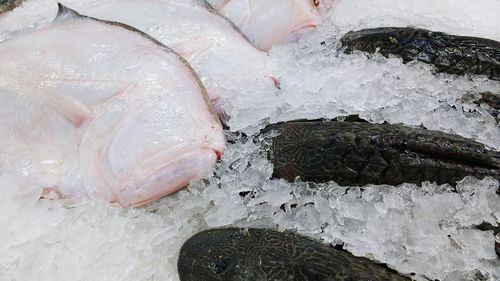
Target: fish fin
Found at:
x=65, y=13
x=206, y=4
x=71, y=109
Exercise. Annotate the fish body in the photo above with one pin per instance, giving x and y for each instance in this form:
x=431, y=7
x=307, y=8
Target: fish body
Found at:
x=360, y=153
x=97, y=109
x=234, y=254
x=224, y=60
x=448, y=53
x=266, y=23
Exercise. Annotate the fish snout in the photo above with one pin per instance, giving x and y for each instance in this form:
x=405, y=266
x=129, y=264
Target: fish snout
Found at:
x=208, y=256
x=166, y=172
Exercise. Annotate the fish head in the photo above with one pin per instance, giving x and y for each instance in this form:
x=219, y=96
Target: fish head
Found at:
x=220, y=254
x=266, y=23
x=147, y=142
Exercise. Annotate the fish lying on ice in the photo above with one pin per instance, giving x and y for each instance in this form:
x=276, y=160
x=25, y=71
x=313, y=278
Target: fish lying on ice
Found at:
x=224, y=60
x=360, y=153
x=266, y=23
x=448, y=53
x=98, y=109
x=217, y=51
x=234, y=254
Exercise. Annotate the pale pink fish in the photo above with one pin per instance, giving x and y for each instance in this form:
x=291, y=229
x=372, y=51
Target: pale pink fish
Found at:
x=233, y=71
x=269, y=22
x=92, y=109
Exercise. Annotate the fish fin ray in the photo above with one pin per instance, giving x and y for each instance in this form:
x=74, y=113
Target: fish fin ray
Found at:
x=206, y=4
x=65, y=13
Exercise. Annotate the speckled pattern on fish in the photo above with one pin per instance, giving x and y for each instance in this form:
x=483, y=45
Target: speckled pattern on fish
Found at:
x=448, y=53
x=261, y=254
x=359, y=153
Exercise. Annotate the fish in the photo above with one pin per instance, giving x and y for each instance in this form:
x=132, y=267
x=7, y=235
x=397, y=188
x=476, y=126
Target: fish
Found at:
x=263, y=254
x=99, y=110
x=355, y=152
x=223, y=59
x=7, y=5
x=453, y=54
x=266, y=23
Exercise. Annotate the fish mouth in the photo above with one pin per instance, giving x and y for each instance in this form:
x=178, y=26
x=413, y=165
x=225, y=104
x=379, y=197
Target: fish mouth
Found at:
x=166, y=172
x=300, y=29
x=305, y=27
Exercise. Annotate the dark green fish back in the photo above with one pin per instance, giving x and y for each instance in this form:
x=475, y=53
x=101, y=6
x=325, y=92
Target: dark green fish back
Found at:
x=261, y=254
x=448, y=53
x=357, y=153
x=7, y=5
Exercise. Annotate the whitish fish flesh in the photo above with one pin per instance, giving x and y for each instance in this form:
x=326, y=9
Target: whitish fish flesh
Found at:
x=233, y=71
x=266, y=23
x=93, y=109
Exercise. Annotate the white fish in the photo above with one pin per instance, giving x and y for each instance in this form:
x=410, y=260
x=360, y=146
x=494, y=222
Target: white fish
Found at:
x=269, y=22
x=233, y=71
x=92, y=109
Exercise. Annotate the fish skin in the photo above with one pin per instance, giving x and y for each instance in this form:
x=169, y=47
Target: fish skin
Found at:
x=216, y=11
x=448, y=53
x=100, y=111
x=218, y=50
x=234, y=254
x=267, y=23
x=7, y=5
x=360, y=153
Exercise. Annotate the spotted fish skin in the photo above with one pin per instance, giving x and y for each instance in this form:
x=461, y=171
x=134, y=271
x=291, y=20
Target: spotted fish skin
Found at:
x=360, y=153
x=7, y=5
x=448, y=53
x=235, y=254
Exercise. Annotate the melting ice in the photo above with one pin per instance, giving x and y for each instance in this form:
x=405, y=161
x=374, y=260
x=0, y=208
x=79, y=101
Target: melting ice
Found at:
x=426, y=230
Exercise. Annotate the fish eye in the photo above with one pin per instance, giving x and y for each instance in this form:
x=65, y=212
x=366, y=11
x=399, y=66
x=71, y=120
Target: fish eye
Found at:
x=315, y=3
x=221, y=265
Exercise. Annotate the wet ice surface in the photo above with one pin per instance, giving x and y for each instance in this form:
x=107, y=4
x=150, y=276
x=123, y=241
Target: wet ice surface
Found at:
x=426, y=230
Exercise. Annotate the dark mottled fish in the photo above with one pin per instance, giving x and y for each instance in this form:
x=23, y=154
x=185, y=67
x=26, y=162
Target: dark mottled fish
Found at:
x=259, y=255
x=7, y=5
x=448, y=53
x=360, y=153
